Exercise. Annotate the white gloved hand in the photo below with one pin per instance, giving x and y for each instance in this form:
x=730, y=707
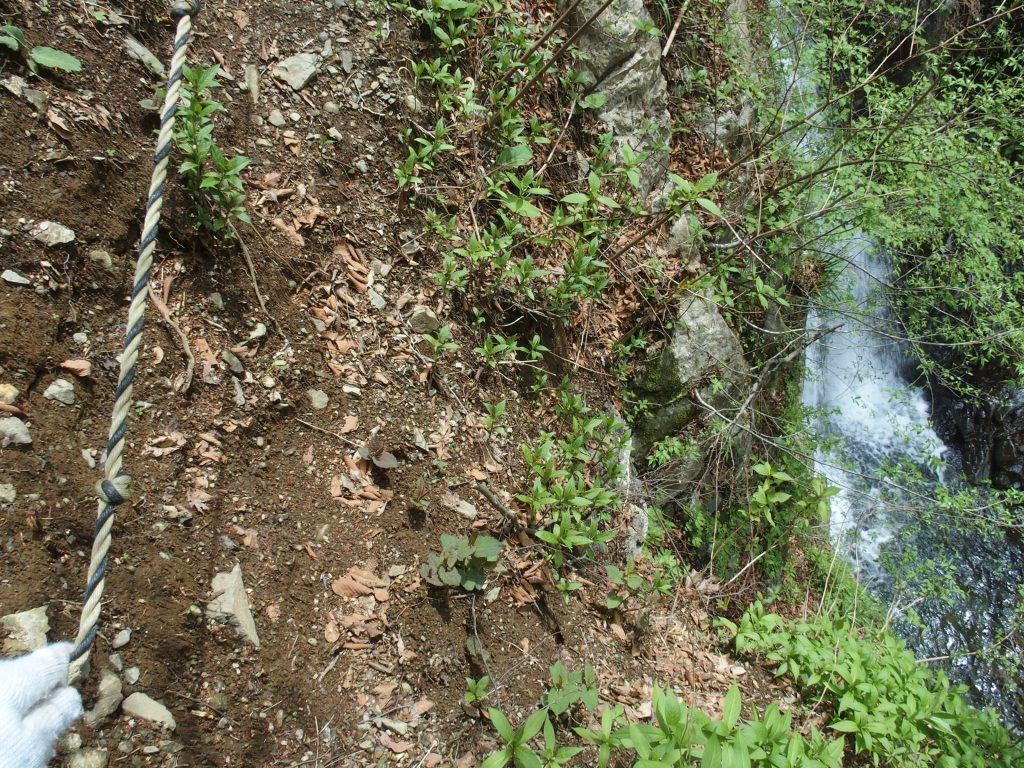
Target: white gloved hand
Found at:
x=36, y=706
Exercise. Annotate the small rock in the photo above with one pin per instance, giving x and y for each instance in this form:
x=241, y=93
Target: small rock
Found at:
x=102, y=257
x=362, y=166
x=276, y=119
x=346, y=62
x=239, y=398
x=268, y=381
x=296, y=70
x=61, y=390
x=252, y=82
x=80, y=338
x=413, y=104
x=380, y=268
x=142, y=706
x=8, y=394
x=7, y=493
x=109, y=699
x=352, y=389
x=72, y=742
x=122, y=638
x=12, y=277
x=51, y=233
x=331, y=108
x=294, y=116
x=28, y=630
x=232, y=603
x=14, y=431
x=116, y=661
x=258, y=332
x=335, y=134
x=216, y=299
x=423, y=320
x=131, y=675
x=318, y=399
x=87, y=758
x=232, y=360
x=140, y=52
x=376, y=299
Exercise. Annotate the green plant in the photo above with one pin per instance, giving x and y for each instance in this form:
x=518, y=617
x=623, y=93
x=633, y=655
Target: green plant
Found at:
x=462, y=562
x=441, y=342
x=37, y=56
x=476, y=690
x=569, y=687
x=211, y=177
x=517, y=750
x=495, y=413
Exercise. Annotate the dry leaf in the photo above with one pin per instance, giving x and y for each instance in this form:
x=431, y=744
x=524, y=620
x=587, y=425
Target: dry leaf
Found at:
x=81, y=368
x=241, y=18
x=422, y=706
x=346, y=586
x=350, y=425
x=398, y=747
x=618, y=631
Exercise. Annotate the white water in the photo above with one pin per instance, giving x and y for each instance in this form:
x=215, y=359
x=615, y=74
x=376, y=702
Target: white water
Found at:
x=875, y=418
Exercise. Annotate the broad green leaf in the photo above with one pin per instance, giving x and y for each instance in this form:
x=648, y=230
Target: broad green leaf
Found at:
x=515, y=156
x=706, y=183
x=533, y=724
x=576, y=198
x=501, y=725
x=51, y=58
x=710, y=207
x=496, y=760
x=731, y=708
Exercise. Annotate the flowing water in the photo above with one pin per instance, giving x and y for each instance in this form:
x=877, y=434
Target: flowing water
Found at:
x=880, y=450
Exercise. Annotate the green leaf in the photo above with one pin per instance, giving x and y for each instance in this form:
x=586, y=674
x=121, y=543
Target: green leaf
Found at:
x=501, y=725
x=51, y=58
x=526, y=758
x=533, y=724
x=731, y=708
x=707, y=182
x=496, y=760
x=11, y=32
x=515, y=156
x=9, y=42
x=488, y=548
x=576, y=198
x=845, y=726
x=710, y=207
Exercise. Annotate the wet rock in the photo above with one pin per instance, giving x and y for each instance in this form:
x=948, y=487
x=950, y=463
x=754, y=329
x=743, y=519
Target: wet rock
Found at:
x=318, y=399
x=232, y=603
x=423, y=320
x=87, y=758
x=15, y=278
x=7, y=493
x=122, y=638
x=142, y=706
x=61, y=390
x=50, y=233
x=27, y=630
x=14, y=431
x=8, y=394
x=109, y=699
x=296, y=70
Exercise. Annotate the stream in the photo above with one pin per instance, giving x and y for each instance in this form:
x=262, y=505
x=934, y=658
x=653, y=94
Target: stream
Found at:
x=951, y=588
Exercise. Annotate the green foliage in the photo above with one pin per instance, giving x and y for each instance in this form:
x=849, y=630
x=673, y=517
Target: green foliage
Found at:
x=896, y=711
x=442, y=341
x=570, y=687
x=211, y=177
x=670, y=449
x=462, y=562
x=476, y=690
x=37, y=56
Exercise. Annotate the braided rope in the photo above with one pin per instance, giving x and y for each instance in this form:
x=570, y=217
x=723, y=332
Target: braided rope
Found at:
x=112, y=490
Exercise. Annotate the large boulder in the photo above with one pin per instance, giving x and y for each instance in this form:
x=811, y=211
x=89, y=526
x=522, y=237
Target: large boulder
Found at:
x=622, y=63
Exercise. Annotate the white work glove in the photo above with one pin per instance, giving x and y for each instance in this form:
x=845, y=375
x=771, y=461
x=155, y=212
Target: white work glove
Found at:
x=36, y=706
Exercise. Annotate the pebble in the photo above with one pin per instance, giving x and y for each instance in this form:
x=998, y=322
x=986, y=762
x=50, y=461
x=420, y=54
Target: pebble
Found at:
x=335, y=134
x=346, y=62
x=318, y=399
x=28, y=630
x=87, y=758
x=142, y=706
x=268, y=381
x=14, y=431
x=80, y=338
x=131, y=675
x=232, y=603
x=362, y=166
x=296, y=70
x=252, y=82
x=61, y=390
x=376, y=299
x=276, y=119
x=7, y=493
x=423, y=320
x=239, y=398
x=216, y=299
x=51, y=233
x=233, y=362
x=102, y=257
x=294, y=116
x=14, y=278
x=413, y=104
x=331, y=108
x=122, y=638
x=8, y=394
x=109, y=699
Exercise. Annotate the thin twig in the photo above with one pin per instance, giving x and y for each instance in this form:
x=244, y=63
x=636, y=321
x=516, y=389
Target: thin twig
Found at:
x=182, y=339
x=675, y=29
x=255, y=283
x=485, y=491
x=328, y=432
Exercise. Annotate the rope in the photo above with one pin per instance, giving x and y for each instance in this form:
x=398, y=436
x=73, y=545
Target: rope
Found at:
x=112, y=490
